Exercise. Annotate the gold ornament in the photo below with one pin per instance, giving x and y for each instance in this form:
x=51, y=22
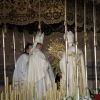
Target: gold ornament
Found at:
x=39, y=26
x=85, y=37
x=55, y=46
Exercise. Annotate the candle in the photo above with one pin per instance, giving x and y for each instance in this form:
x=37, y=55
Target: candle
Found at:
x=13, y=83
x=2, y=96
x=94, y=23
x=15, y=96
x=6, y=96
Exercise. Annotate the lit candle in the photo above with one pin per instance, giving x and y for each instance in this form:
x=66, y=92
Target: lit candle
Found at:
x=94, y=22
x=3, y=34
x=15, y=96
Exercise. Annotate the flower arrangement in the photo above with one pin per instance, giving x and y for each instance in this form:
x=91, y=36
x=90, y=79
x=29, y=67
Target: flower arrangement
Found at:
x=81, y=98
x=91, y=97
x=93, y=92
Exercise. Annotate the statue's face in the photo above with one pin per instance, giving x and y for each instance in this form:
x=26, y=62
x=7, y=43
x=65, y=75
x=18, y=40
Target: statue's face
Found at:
x=61, y=54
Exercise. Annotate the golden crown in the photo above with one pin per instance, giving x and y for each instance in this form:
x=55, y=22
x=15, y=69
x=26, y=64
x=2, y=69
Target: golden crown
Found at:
x=55, y=46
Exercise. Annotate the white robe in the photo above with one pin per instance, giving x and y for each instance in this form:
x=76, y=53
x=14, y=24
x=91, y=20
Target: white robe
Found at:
x=20, y=69
x=39, y=71
x=72, y=72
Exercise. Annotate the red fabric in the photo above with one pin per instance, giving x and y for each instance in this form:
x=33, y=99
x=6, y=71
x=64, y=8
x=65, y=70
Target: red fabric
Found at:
x=97, y=96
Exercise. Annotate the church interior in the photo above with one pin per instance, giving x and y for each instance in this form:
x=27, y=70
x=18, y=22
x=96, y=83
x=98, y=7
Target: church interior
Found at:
x=19, y=23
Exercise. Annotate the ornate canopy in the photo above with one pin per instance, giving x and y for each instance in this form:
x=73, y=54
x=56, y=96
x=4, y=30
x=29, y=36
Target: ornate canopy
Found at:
x=26, y=12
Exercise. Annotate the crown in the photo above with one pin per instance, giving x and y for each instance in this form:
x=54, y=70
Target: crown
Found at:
x=55, y=46
x=39, y=37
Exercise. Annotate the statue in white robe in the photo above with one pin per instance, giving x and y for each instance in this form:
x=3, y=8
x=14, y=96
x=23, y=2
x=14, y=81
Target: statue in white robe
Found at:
x=39, y=69
x=20, y=69
x=72, y=68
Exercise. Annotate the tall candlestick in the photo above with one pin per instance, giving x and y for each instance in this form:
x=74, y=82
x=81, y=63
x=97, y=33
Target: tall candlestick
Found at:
x=24, y=41
x=77, y=80
x=14, y=48
x=94, y=23
x=3, y=34
x=85, y=45
x=66, y=41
